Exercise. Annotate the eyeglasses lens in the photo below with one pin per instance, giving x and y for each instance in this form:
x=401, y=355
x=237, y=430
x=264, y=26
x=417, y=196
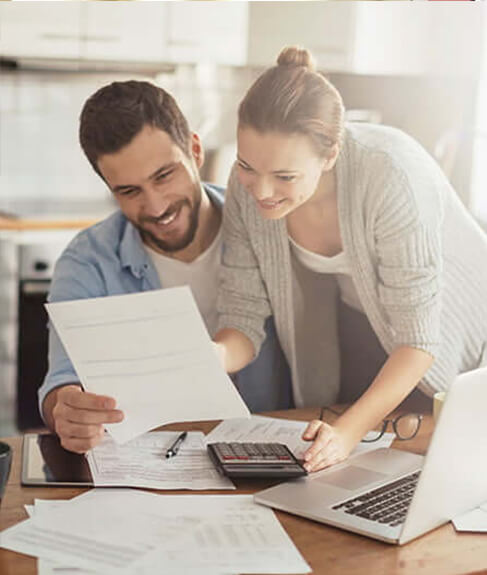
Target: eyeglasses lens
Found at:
x=407, y=426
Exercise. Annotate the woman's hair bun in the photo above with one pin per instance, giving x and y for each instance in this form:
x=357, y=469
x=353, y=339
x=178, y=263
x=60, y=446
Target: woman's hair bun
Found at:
x=296, y=56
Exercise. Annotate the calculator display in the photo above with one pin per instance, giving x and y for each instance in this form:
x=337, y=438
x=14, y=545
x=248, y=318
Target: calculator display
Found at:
x=240, y=460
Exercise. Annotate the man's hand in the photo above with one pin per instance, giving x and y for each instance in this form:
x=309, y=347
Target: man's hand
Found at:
x=78, y=417
x=330, y=445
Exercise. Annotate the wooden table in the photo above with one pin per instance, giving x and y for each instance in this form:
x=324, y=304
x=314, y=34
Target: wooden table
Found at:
x=329, y=551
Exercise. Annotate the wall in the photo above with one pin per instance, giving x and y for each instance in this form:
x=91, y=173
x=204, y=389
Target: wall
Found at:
x=39, y=151
x=40, y=154
x=426, y=108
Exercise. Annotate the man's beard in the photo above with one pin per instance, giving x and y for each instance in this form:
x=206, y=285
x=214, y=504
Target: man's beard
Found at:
x=177, y=244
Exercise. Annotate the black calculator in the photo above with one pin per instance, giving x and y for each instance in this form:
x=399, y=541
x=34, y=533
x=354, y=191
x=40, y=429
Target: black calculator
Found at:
x=246, y=460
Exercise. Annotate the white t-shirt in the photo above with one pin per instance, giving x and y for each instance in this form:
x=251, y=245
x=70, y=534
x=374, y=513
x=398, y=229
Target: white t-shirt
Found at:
x=201, y=275
x=337, y=265
x=312, y=274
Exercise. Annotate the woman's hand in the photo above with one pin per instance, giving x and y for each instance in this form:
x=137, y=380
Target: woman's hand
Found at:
x=330, y=445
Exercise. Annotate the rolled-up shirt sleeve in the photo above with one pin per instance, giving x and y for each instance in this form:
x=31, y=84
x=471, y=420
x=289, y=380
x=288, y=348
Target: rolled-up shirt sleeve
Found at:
x=73, y=279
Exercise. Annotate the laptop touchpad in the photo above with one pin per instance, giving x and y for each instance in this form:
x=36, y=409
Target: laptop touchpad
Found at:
x=352, y=477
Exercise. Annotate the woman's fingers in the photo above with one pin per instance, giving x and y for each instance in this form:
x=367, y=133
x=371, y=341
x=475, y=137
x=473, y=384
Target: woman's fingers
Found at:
x=331, y=455
x=312, y=429
x=323, y=437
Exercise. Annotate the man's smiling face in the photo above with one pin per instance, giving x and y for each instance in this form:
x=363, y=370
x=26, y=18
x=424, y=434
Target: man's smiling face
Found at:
x=157, y=187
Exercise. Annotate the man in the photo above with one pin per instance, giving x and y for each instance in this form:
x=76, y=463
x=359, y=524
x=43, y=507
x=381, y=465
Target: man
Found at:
x=167, y=232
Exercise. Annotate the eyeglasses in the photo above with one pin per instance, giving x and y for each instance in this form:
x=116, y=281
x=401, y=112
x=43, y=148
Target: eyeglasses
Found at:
x=405, y=426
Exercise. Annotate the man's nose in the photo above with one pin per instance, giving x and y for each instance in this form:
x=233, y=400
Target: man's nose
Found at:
x=155, y=203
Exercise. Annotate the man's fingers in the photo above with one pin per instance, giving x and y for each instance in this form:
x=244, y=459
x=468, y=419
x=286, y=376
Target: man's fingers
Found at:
x=74, y=430
x=85, y=400
x=90, y=417
x=81, y=445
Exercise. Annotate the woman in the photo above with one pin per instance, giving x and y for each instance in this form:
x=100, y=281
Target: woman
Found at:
x=318, y=212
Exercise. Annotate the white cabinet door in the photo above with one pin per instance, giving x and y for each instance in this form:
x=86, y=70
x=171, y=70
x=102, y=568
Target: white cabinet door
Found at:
x=38, y=30
x=375, y=38
x=390, y=40
x=417, y=39
x=123, y=31
x=326, y=28
x=207, y=32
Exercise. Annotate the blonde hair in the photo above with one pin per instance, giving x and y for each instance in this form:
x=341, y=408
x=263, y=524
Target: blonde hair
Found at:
x=292, y=97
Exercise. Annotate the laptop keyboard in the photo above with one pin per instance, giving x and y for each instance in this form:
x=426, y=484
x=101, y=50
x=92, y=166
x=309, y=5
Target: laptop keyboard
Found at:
x=387, y=504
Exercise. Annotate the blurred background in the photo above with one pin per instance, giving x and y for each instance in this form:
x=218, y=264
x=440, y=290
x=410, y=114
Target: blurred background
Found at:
x=419, y=66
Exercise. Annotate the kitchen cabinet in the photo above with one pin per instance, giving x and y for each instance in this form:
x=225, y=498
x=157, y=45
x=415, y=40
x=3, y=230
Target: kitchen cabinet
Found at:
x=83, y=31
x=325, y=28
x=166, y=32
x=374, y=38
x=123, y=31
x=39, y=30
x=441, y=39
x=207, y=31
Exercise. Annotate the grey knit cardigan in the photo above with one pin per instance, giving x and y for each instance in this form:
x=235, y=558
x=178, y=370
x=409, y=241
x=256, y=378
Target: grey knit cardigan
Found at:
x=418, y=261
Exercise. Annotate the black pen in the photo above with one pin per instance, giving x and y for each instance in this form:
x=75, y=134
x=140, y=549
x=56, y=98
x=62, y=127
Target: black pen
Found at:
x=173, y=450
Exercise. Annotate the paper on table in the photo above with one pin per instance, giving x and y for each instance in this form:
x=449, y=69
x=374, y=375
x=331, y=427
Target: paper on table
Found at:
x=92, y=531
x=152, y=353
x=189, y=533
x=475, y=520
x=46, y=567
x=141, y=462
x=270, y=429
x=236, y=535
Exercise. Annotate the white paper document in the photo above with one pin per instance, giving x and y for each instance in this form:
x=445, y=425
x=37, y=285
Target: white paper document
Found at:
x=268, y=429
x=231, y=533
x=142, y=462
x=475, y=520
x=44, y=566
x=47, y=567
x=152, y=353
x=122, y=531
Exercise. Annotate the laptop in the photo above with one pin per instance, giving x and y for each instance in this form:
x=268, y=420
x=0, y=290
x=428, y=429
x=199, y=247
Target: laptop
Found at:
x=396, y=496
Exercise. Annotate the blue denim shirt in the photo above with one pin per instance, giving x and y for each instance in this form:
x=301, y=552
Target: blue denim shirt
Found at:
x=109, y=259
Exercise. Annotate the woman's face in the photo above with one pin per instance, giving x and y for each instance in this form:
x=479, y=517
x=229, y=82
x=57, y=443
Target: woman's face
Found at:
x=281, y=171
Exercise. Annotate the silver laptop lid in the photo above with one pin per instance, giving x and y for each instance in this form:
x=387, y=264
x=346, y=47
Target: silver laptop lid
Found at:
x=453, y=477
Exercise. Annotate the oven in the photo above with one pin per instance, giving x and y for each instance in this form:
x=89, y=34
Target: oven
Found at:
x=37, y=255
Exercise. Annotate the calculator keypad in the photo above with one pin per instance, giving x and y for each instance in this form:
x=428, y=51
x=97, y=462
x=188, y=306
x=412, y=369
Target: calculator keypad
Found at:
x=254, y=452
x=255, y=460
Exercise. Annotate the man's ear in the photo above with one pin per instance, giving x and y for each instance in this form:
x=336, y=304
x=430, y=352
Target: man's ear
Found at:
x=197, y=150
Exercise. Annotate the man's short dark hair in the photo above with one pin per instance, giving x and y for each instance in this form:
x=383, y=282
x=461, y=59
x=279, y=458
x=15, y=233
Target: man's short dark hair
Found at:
x=116, y=113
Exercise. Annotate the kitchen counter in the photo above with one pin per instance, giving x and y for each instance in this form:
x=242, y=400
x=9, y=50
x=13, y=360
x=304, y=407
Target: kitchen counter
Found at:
x=51, y=214
x=23, y=224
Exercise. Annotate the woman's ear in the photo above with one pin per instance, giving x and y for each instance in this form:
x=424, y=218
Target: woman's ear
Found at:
x=331, y=158
x=197, y=150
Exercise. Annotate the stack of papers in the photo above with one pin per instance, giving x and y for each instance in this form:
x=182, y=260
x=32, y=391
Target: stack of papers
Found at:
x=120, y=531
x=286, y=431
x=142, y=462
x=475, y=520
x=152, y=353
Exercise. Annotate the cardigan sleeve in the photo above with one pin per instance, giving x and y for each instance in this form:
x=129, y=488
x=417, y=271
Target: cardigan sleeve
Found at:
x=242, y=298
x=407, y=235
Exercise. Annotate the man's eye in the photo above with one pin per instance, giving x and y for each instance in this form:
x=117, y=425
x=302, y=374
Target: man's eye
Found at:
x=287, y=178
x=163, y=176
x=131, y=192
x=244, y=167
